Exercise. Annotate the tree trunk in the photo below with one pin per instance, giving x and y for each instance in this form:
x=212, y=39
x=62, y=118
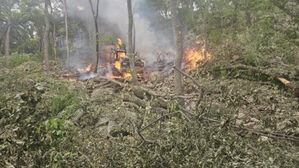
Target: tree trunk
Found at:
x=54, y=41
x=7, y=38
x=1, y=48
x=205, y=30
x=247, y=11
x=66, y=34
x=40, y=40
x=179, y=49
x=46, y=35
x=235, y=14
x=95, y=17
x=54, y=34
x=131, y=52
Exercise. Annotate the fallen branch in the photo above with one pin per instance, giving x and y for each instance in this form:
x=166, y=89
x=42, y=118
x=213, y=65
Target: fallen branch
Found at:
x=259, y=132
x=136, y=88
x=100, y=78
x=135, y=100
x=200, y=87
x=188, y=76
x=156, y=121
x=276, y=78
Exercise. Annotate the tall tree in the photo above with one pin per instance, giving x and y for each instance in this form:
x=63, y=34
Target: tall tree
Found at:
x=7, y=37
x=177, y=26
x=54, y=32
x=7, y=14
x=247, y=11
x=205, y=25
x=131, y=52
x=95, y=15
x=54, y=41
x=66, y=34
x=46, y=34
x=235, y=13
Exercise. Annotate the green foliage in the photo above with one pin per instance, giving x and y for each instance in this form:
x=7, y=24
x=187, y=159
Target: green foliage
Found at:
x=52, y=134
x=16, y=59
x=28, y=46
x=54, y=130
x=105, y=38
x=65, y=102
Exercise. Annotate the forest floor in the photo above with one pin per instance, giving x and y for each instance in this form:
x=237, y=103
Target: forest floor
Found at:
x=245, y=118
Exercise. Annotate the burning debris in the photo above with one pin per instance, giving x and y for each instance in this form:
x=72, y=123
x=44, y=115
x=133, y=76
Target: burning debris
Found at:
x=193, y=57
x=116, y=63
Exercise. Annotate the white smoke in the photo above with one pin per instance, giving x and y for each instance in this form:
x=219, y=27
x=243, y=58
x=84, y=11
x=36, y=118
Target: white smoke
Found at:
x=113, y=18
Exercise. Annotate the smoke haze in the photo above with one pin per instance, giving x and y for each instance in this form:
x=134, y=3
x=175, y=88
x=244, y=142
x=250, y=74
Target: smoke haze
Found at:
x=113, y=19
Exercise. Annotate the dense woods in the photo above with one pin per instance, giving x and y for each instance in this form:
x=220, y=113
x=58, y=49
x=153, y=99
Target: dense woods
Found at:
x=149, y=83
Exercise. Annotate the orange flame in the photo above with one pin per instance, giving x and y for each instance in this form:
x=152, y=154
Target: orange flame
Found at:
x=127, y=75
x=111, y=76
x=193, y=57
x=119, y=42
x=87, y=69
x=117, y=65
x=122, y=54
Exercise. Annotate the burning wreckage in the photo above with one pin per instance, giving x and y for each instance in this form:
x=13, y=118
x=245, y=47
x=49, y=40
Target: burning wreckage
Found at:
x=116, y=64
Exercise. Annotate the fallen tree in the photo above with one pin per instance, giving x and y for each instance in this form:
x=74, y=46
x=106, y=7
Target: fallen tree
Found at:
x=268, y=76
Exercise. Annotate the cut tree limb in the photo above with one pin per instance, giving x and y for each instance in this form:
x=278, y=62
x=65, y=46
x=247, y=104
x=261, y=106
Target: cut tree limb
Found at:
x=200, y=87
x=278, y=78
x=139, y=92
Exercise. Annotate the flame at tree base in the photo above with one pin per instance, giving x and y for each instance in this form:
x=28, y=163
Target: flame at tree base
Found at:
x=193, y=57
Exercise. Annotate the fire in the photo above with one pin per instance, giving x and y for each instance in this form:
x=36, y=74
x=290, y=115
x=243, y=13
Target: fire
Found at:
x=111, y=76
x=117, y=65
x=87, y=69
x=198, y=42
x=119, y=42
x=127, y=75
x=122, y=54
x=194, y=56
x=113, y=69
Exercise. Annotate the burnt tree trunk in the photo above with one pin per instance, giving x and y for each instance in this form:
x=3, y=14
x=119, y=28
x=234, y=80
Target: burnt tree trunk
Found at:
x=46, y=34
x=130, y=43
x=66, y=34
x=7, y=37
x=95, y=18
x=179, y=48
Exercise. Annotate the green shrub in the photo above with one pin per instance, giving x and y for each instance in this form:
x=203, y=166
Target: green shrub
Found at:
x=56, y=141
x=65, y=103
x=68, y=102
x=16, y=59
x=54, y=130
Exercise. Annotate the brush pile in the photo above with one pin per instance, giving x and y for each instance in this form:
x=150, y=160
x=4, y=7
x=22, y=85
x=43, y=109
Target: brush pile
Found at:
x=106, y=122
